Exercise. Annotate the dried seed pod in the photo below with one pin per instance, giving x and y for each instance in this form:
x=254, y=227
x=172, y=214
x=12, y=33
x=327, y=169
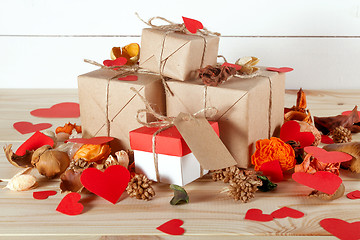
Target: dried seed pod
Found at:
x=22, y=181
x=307, y=127
x=351, y=148
x=122, y=158
x=324, y=196
x=50, y=162
x=16, y=160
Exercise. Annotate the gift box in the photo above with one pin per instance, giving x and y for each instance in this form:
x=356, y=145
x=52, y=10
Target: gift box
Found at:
x=182, y=54
x=175, y=162
x=108, y=107
x=248, y=108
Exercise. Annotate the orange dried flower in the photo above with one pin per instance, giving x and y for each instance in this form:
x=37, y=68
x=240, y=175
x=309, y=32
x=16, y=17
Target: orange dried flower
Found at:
x=313, y=165
x=67, y=128
x=273, y=149
x=92, y=152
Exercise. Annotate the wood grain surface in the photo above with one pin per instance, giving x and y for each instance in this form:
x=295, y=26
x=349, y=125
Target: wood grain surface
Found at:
x=209, y=215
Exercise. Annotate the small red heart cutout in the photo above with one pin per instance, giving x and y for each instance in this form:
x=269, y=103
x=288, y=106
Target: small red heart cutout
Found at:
x=40, y=195
x=326, y=139
x=237, y=67
x=341, y=229
x=172, y=227
x=60, y=110
x=273, y=170
x=120, y=61
x=129, y=78
x=280, y=70
x=349, y=112
x=322, y=181
x=69, y=204
x=327, y=157
x=291, y=131
x=257, y=215
x=287, y=212
x=192, y=25
x=354, y=194
x=93, y=140
x=109, y=184
x=28, y=127
x=37, y=140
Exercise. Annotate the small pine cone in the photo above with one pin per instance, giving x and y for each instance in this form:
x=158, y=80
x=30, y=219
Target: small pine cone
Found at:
x=243, y=185
x=79, y=164
x=217, y=175
x=140, y=187
x=341, y=135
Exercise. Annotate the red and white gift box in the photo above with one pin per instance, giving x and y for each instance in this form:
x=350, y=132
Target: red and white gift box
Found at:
x=176, y=163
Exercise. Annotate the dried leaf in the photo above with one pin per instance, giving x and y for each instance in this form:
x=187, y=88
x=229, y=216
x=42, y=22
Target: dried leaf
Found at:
x=267, y=185
x=327, y=124
x=180, y=195
x=301, y=100
x=16, y=160
x=70, y=181
x=213, y=76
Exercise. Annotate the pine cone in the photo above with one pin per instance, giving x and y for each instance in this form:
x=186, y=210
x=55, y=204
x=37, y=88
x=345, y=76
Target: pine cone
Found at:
x=341, y=135
x=226, y=174
x=140, y=187
x=243, y=185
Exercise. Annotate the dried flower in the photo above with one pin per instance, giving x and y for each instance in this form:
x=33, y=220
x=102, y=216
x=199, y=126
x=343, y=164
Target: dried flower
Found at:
x=131, y=52
x=213, y=76
x=312, y=165
x=68, y=128
x=273, y=149
x=122, y=158
x=299, y=111
x=92, y=152
x=247, y=65
x=180, y=195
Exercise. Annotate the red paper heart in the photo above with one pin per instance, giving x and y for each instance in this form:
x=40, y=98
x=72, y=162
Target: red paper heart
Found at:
x=327, y=157
x=280, y=70
x=28, y=127
x=257, y=215
x=322, y=181
x=192, y=25
x=237, y=67
x=348, y=113
x=94, y=140
x=60, y=110
x=172, y=227
x=273, y=170
x=43, y=194
x=326, y=139
x=129, y=78
x=34, y=142
x=287, y=212
x=109, y=184
x=120, y=61
x=69, y=204
x=291, y=131
x=354, y=194
x=341, y=229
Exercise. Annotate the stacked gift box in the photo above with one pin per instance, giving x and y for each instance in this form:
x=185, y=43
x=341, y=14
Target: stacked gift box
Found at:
x=248, y=109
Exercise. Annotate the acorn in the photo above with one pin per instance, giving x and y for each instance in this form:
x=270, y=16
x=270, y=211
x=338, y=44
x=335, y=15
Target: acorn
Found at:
x=50, y=162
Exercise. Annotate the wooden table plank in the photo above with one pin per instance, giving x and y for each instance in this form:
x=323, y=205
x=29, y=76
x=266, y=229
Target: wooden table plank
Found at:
x=210, y=214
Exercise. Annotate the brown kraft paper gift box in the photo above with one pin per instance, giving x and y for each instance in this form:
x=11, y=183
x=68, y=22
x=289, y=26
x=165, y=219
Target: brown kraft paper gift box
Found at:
x=182, y=53
x=108, y=107
x=248, y=109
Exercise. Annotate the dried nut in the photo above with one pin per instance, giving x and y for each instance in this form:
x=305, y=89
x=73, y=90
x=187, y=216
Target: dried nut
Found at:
x=50, y=162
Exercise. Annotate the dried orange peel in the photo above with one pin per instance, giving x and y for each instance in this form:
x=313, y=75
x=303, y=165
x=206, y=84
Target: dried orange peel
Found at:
x=92, y=152
x=131, y=52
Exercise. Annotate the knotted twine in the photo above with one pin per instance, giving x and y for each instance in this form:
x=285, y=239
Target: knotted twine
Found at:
x=163, y=124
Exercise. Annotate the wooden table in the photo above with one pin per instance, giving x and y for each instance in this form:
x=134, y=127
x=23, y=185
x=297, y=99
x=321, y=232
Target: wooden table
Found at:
x=209, y=215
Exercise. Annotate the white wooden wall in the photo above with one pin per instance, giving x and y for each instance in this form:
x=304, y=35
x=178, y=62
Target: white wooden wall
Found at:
x=43, y=43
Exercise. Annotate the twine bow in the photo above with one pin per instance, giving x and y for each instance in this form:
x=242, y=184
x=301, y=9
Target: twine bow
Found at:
x=163, y=123
x=176, y=27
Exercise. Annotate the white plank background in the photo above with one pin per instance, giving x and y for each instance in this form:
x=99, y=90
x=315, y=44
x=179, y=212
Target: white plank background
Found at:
x=43, y=43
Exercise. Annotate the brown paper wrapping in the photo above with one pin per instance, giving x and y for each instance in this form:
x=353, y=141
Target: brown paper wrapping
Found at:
x=249, y=109
x=182, y=53
x=109, y=107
